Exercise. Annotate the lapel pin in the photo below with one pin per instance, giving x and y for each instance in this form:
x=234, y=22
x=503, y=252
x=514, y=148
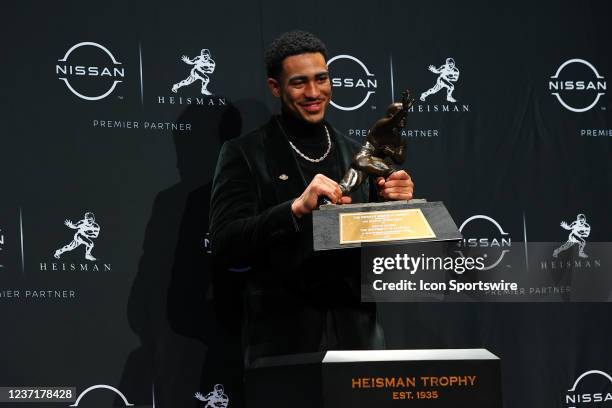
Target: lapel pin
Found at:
x=283, y=177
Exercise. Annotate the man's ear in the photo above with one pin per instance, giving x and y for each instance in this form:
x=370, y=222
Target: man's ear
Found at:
x=274, y=86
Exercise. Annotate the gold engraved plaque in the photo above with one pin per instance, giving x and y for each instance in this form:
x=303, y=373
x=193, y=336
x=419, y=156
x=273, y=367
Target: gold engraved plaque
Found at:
x=391, y=225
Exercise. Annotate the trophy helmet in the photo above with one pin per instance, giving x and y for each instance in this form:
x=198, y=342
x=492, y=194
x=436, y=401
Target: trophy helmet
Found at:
x=581, y=217
x=450, y=61
x=219, y=388
x=90, y=216
x=205, y=52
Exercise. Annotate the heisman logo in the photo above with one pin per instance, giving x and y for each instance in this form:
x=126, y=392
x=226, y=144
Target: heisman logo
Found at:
x=214, y=399
x=101, y=386
x=353, y=84
x=87, y=229
x=596, y=87
x=579, y=231
x=66, y=69
x=447, y=74
x=203, y=64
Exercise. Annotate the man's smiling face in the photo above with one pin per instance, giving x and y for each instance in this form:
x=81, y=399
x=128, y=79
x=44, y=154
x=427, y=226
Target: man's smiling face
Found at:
x=303, y=86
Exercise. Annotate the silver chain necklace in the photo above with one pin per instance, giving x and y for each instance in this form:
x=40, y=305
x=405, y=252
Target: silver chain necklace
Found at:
x=320, y=159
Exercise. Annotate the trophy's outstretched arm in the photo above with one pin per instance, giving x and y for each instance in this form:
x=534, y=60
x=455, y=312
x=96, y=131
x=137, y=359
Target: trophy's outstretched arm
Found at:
x=407, y=102
x=387, y=130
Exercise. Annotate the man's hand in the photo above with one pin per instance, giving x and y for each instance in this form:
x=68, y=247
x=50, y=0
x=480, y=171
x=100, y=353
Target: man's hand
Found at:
x=398, y=186
x=320, y=186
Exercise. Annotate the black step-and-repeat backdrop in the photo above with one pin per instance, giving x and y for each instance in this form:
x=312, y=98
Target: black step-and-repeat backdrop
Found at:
x=112, y=119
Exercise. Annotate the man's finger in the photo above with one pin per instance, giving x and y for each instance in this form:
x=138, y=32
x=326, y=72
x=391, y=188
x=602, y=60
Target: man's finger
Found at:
x=405, y=190
x=329, y=192
x=399, y=183
x=399, y=175
x=323, y=185
x=380, y=181
x=345, y=200
x=322, y=177
x=335, y=187
x=326, y=180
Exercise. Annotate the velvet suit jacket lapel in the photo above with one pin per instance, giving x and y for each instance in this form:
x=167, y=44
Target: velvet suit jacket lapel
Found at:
x=286, y=176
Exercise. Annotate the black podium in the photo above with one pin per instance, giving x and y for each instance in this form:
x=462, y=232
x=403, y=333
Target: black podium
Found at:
x=377, y=379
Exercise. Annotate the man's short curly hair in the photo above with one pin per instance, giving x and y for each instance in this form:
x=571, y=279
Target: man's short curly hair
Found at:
x=291, y=43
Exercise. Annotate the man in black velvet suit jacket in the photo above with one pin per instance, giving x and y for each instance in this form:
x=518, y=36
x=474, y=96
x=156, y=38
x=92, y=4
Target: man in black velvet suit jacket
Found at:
x=266, y=185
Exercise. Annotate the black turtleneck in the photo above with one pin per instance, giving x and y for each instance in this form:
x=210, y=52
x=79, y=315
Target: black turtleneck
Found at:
x=311, y=140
